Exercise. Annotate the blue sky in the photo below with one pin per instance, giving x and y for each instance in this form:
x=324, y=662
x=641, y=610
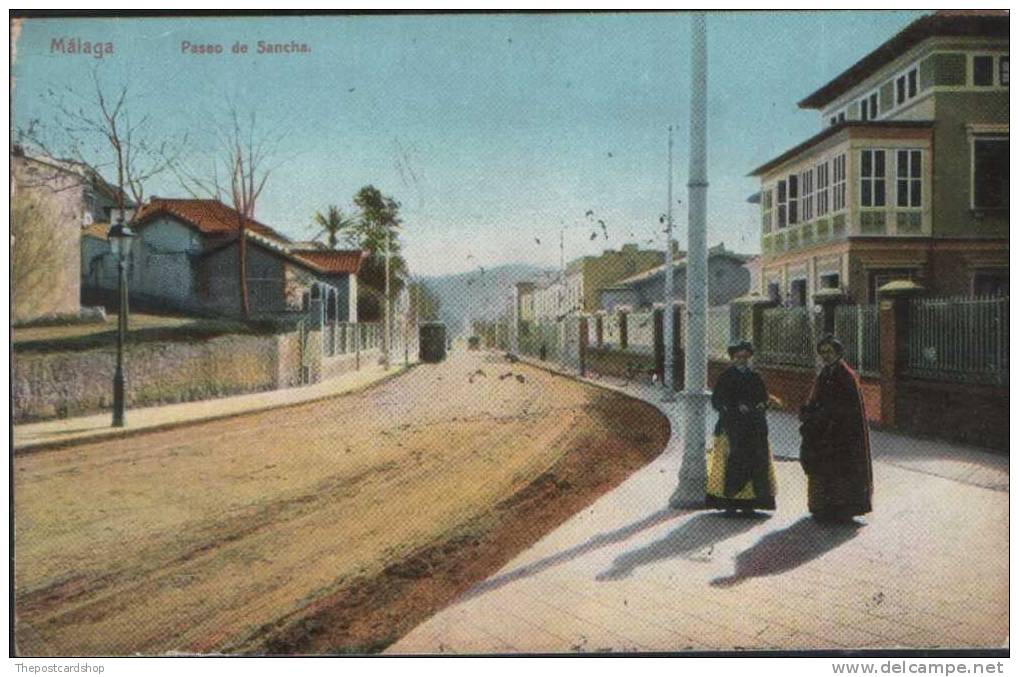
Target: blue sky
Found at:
x=491, y=130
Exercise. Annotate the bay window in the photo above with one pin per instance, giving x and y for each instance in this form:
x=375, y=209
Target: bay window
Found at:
x=807, y=199
x=794, y=194
x=872, y=178
x=822, y=188
x=908, y=179
x=838, y=193
x=782, y=205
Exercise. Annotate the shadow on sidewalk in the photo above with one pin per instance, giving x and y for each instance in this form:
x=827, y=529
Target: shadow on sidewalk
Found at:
x=702, y=531
x=593, y=543
x=788, y=549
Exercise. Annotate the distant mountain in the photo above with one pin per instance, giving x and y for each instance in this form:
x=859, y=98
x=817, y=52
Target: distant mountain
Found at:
x=484, y=295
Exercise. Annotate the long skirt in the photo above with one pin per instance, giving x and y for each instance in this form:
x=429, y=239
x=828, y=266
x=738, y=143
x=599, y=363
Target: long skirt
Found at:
x=744, y=499
x=842, y=493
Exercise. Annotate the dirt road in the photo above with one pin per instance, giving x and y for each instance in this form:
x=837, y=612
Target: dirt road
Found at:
x=198, y=539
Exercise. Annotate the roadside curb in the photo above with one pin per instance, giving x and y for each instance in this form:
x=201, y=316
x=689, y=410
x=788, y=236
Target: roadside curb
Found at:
x=112, y=434
x=616, y=389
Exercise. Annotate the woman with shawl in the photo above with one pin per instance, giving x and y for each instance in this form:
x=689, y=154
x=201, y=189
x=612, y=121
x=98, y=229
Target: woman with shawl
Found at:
x=835, y=453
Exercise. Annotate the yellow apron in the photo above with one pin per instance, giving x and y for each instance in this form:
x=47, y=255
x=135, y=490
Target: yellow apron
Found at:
x=718, y=456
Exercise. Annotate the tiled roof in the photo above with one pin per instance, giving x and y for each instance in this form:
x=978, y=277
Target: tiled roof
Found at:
x=210, y=217
x=950, y=23
x=333, y=261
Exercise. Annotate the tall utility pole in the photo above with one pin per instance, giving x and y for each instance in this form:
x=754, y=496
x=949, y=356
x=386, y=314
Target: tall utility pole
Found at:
x=692, y=472
x=668, y=330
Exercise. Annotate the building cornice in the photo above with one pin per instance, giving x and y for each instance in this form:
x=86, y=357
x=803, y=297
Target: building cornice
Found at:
x=941, y=24
x=852, y=127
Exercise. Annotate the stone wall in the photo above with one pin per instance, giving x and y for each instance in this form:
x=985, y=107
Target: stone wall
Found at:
x=620, y=364
x=51, y=385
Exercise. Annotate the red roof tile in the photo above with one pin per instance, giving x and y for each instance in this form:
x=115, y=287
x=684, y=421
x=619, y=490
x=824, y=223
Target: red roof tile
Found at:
x=334, y=261
x=210, y=217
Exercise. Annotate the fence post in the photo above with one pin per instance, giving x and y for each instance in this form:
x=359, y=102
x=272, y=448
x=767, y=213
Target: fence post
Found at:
x=754, y=305
x=315, y=342
x=658, y=319
x=357, y=346
x=582, y=347
x=828, y=299
x=893, y=326
x=678, y=349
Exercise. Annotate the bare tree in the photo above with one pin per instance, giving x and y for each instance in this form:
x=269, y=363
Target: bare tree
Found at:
x=239, y=172
x=94, y=131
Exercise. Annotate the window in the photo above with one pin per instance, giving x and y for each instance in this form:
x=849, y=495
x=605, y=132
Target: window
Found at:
x=773, y=292
x=807, y=200
x=822, y=188
x=794, y=193
x=782, y=204
x=798, y=292
x=833, y=120
x=908, y=178
x=1003, y=71
x=842, y=116
x=906, y=86
x=830, y=281
x=983, y=71
x=990, y=173
x=868, y=107
x=838, y=193
x=872, y=178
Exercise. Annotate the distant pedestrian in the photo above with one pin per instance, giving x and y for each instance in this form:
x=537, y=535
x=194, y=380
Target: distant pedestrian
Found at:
x=741, y=473
x=835, y=451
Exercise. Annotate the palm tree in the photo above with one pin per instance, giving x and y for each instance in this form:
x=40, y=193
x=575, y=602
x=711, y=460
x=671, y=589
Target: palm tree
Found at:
x=334, y=222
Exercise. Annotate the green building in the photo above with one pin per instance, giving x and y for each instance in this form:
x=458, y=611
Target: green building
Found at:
x=908, y=178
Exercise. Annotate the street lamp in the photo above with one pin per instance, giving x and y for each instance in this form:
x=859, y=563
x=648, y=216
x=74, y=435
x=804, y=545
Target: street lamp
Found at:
x=120, y=237
x=692, y=470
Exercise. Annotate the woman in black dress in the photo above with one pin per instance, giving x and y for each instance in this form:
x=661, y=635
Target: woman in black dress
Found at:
x=741, y=473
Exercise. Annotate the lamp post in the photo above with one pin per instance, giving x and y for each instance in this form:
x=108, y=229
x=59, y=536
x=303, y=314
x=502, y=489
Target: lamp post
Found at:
x=692, y=472
x=120, y=237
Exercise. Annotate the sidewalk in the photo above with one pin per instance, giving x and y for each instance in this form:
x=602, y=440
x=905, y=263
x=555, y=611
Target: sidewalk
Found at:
x=928, y=568
x=61, y=432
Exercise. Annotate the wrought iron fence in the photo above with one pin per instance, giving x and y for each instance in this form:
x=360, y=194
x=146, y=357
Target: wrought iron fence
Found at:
x=959, y=339
x=541, y=340
x=719, y=325
x=787, y=337
x=857, y=328
x=370, y=334
x=343, y=338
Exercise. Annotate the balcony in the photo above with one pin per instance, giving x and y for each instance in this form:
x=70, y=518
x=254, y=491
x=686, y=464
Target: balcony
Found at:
x=889, y=162
x=828, y=228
